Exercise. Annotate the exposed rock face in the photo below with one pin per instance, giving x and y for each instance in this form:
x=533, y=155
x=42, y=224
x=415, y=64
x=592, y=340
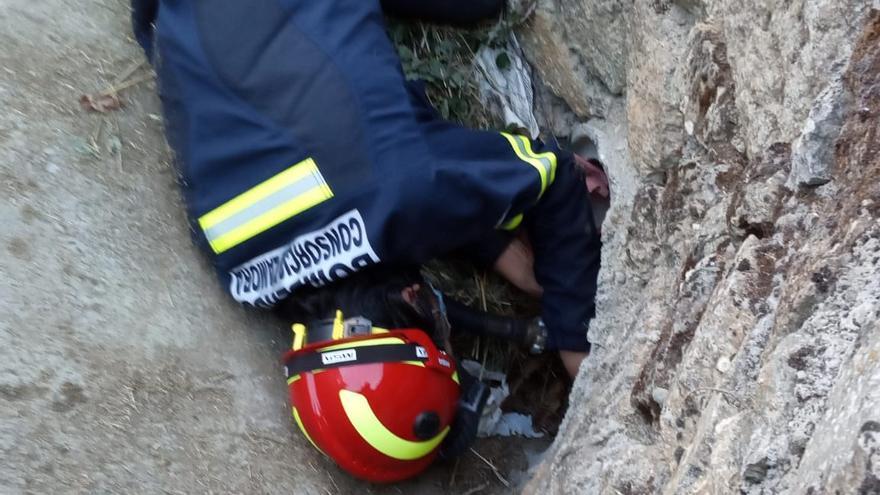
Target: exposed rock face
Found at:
x=737, y=342
x=587, y=78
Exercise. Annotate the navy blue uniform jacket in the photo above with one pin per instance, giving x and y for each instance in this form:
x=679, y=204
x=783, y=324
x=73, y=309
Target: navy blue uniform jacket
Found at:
x=306, y=155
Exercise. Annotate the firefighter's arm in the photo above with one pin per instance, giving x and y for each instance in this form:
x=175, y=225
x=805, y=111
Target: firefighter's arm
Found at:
x=517, y=265
x=567, y=251
x=459, y=12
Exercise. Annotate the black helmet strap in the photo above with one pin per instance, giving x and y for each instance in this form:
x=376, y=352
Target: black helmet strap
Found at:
x=349, y=356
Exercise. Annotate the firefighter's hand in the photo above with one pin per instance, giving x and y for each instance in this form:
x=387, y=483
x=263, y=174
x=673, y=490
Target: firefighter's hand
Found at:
x=517, y=265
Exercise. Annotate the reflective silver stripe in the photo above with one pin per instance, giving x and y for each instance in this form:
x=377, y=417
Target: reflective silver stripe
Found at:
x=548, y=165
x=304, y=184
x=526, y=155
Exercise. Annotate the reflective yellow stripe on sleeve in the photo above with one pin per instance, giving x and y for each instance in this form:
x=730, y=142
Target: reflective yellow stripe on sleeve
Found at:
x=548, y=158
x=265, y=205
x=513, y=223
x=544, y=163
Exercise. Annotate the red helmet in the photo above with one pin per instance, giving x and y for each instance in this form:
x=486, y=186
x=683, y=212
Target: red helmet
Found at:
x=377, y=402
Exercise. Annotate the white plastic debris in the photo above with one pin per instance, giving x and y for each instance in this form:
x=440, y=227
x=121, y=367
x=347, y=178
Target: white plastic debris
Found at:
x=494, y=422
x=506, y=82
x=515, y=424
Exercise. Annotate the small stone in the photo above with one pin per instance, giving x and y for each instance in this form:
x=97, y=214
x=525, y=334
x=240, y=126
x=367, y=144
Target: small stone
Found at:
x=689, y=128
x=756, y=472
x=660, y=394
x=812, y=157
x=52, y=168
x=679, y=451
x=723, y=364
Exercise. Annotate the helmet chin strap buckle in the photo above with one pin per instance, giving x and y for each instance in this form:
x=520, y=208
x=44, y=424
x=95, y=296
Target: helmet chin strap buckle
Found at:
x=356, y=326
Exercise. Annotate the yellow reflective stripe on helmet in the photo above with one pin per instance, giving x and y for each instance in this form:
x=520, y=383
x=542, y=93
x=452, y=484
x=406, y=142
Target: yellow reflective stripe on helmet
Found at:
x=293, y=378
x=368, y=426
x=364, y=343
x=372, y=342
x=265, y=205
x=303, y=429
x=513, y=223
x=455, y=377
x=544, y=163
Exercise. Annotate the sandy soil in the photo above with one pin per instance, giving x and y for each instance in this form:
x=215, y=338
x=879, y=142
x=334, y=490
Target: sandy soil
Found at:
x=123, y=367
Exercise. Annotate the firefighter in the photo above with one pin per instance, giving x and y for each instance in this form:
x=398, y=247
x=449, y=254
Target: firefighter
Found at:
x=316, y=177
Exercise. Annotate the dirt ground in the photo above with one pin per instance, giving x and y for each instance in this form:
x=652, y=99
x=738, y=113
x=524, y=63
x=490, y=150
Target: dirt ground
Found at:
x=123, y=366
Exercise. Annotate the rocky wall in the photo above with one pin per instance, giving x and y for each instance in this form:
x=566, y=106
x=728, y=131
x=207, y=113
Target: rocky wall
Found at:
x=737, y=343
